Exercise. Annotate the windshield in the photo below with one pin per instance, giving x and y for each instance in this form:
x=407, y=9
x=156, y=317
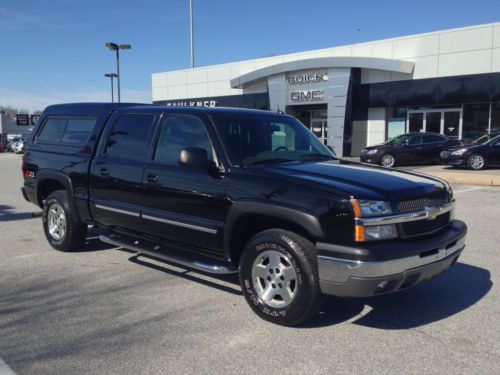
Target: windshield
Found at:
x=265, y=139
x=485, y=139
x=396, y=139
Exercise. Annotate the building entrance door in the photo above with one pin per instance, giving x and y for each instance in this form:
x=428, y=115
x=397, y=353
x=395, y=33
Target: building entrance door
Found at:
x=314, y=117
x=443, y=121
x=318, y=125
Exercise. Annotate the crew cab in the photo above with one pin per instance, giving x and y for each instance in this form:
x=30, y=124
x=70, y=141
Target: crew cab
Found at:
x=225, y=190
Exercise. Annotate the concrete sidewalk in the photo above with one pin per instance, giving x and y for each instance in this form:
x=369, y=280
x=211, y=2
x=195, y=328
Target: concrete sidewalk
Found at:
x=490, y=177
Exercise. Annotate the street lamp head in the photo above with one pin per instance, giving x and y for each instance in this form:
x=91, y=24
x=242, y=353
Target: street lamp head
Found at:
x=125, y=46
x=110, y=75
x=112, y=46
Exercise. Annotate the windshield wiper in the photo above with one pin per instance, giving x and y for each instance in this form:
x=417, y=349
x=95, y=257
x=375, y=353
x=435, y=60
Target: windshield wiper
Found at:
x=271, y=161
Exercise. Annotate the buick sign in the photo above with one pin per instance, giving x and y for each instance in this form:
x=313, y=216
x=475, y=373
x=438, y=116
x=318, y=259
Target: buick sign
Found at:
x=307, y=78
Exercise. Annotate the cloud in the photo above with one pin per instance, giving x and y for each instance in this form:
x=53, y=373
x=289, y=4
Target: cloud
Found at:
x=33, y=102
x=10, y=20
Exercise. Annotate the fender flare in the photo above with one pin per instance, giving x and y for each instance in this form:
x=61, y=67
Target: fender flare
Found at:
x=64, y=180
x=297, y=216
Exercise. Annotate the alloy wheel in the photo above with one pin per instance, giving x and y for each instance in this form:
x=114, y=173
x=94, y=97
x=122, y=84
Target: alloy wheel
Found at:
x=274, y=279
x=476, y=162
x=387, y=160
x=56, y=222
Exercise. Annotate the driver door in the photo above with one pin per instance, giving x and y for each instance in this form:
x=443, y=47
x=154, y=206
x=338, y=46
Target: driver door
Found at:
x=410, y=151
x=180, y=203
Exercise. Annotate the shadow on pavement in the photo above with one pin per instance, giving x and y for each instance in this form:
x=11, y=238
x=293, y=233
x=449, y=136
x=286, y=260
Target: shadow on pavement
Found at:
x=458, y=289
x=193, y=275
x=7, y=214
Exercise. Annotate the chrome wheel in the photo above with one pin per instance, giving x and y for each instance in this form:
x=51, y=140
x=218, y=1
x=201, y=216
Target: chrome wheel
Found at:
x=274, y=279
x=476, y=162
x=56, y=220
x=387, y=161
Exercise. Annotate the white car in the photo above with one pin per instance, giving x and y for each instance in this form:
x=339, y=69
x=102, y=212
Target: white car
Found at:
x=18, y=146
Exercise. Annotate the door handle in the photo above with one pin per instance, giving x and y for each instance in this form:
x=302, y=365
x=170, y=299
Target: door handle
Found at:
x=104, y=172
x=151, y=179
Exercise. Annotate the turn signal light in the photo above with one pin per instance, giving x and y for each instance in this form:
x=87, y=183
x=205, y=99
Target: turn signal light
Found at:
x=359, y=233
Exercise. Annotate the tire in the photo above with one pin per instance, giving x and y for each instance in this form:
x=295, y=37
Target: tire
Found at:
x=476, y=162
x=387, y=160
x=279, y=277
x=62, y=231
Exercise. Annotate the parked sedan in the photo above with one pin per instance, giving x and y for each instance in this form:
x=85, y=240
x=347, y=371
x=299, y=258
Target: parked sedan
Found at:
x=484, y=151
x=411, y=148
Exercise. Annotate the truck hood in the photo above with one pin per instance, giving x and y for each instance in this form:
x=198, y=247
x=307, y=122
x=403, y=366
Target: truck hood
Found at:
x=359, y=180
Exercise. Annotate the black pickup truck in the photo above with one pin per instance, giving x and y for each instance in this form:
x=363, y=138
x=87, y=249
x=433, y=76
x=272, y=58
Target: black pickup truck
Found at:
x=229, y=190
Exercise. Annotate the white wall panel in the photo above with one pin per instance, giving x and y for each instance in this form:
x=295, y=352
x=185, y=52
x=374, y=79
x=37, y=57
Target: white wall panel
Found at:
x=198, y=75
x=177, y=78
x=425, y=67
x=415, y=47
x=473, y=62
x=373, y=76
x=383, y=50
x=218, y=73
x=177, y=92
x=495, y=61
x=465, y=40
x=376, y=126
x=197, y=90
x=496, y=36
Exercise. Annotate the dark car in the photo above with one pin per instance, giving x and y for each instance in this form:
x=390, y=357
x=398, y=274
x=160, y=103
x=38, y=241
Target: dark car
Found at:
x=411, y=148
x=484, y=151
x=226, y=190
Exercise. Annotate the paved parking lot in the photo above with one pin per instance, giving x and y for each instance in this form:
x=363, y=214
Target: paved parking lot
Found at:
x=104, y=310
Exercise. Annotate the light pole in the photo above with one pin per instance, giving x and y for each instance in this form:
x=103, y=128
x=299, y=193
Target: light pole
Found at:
x=117, y=47
x=111, y=75
x=191, y=29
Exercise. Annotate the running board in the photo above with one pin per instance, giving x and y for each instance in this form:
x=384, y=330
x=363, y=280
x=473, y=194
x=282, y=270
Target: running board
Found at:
x=149, y=248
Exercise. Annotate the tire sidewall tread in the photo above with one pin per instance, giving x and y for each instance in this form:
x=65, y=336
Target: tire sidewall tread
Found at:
x=302, y=254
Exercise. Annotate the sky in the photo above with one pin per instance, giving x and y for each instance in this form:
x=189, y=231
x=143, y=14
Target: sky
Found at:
x=52, y=51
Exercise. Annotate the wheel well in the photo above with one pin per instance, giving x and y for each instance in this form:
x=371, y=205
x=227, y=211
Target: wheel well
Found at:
x=248, y=226
x=45, y=187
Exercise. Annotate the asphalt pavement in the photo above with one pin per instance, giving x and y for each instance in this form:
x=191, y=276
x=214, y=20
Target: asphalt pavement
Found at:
x=105, y=311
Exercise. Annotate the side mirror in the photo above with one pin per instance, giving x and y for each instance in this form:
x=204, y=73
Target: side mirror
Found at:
x=194, y=157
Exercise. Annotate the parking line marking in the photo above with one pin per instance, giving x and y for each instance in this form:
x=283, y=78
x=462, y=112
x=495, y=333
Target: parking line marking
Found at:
x=470, y=189
x=4, y=369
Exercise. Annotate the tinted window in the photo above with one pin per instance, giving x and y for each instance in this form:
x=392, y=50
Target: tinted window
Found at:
x=129, y=136
x=433, y=138
x=67, y=130
x=415, y=140
x=179, y=132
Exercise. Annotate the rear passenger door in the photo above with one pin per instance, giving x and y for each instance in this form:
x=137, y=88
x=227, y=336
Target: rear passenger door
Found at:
x=432, y=146
x=180, y=203
x=117, y=170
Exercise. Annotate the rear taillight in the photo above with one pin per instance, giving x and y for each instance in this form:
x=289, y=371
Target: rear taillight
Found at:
x=23, y=166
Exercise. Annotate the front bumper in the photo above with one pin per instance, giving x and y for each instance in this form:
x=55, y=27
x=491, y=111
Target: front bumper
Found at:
x=371, y=159
x=343, y=276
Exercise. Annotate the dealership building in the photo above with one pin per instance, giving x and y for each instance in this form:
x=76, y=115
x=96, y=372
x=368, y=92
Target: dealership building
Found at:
x=362, y=94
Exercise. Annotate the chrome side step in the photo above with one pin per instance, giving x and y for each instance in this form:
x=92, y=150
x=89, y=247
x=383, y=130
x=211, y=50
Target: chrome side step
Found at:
x=200, y=263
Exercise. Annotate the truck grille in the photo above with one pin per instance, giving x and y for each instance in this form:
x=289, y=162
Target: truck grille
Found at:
x=419, y=204
x=421, y=227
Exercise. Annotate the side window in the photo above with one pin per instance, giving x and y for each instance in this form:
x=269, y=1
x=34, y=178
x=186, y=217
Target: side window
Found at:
x=129, y=137
x=67, y=130
x=179, y=132
x=415, y=140
x=433, y=138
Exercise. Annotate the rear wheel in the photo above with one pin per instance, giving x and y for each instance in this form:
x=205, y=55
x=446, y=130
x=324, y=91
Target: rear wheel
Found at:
x=387, y=160
x=279, y=277
x=476, y=162
x=63, y=232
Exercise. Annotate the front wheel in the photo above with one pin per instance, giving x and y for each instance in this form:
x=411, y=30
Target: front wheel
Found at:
x=387, y=160
x=63, y=232
x=476, y=162
x=279, y=277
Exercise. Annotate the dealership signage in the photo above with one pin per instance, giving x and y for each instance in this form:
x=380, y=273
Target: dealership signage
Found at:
x=307, y=78
x=22, y=120
x=306, y=96
x=194, y=103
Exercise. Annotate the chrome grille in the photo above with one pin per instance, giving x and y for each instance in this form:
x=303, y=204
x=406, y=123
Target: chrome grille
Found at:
x=419, y=204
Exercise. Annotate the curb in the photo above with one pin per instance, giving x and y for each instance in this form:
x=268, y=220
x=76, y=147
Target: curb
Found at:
x=456, y=178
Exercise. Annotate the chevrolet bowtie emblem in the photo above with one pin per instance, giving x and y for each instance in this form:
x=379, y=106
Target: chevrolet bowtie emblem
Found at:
x=432, y=212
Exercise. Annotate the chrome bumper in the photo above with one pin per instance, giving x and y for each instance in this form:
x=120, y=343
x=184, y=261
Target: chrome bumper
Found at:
x=351, y=278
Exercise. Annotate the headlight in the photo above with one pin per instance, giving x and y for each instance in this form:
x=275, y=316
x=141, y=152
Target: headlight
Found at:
x=459, y=152
x=371, y=152
x=374, y=208
x=380, y=232
x=367, y=208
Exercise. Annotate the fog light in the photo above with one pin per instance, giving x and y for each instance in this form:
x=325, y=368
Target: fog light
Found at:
x=382, y=285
